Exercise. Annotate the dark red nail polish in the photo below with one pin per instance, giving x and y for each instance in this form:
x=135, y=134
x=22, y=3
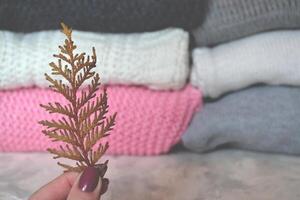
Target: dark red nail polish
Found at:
x=89, y=179
x=102, y=168
x=104, y=185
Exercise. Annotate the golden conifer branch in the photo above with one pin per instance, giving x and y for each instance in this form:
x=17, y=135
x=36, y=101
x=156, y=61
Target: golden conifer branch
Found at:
x=83, y=122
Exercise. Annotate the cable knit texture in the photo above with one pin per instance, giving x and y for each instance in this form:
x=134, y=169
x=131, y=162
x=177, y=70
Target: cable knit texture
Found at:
x=157, y=59
x=100, y=15
x=263, y=118
x=270, y=58
x=148, y=123
x=228, y=20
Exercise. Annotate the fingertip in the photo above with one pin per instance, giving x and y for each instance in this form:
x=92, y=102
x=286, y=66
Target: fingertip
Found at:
x=58, y=188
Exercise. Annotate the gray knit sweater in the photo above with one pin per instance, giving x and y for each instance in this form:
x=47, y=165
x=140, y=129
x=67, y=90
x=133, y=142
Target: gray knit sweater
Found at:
x=265, y=118
x=232, y=19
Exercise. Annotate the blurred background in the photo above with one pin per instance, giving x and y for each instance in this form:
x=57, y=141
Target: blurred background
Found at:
x=207, y=94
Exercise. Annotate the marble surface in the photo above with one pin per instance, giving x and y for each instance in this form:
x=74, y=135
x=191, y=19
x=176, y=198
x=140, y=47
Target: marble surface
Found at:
x=220, y=175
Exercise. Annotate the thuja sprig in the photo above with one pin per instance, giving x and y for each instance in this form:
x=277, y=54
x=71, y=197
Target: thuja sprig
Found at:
x=83, y=121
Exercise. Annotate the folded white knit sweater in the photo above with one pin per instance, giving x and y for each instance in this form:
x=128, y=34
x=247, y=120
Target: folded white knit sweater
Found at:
x=269, y=58
x=156, y=59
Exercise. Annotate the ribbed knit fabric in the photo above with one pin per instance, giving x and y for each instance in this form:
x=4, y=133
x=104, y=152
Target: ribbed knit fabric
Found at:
x=157, y=59
x=270, y=58
x=148, y=122
x=263, y=118
x=232, y=19
x=100, y=15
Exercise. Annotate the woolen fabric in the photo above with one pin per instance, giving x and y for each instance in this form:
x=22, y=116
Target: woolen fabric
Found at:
x=262, y=118
x=122, y=16
x=148, y=122
x=159, y=60
x=228, y=20
x=269, y=58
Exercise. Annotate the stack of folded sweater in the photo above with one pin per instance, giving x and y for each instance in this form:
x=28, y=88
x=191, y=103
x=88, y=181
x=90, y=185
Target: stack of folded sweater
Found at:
x=142, y=49
x=247, y=63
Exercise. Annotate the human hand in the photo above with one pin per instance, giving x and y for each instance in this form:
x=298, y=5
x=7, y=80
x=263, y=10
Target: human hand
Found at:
x=89, y=185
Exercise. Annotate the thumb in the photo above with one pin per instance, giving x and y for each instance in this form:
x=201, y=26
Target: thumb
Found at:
x=89, y=185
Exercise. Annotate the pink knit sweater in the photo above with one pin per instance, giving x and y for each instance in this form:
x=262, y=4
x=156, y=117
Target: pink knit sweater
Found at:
x=148, y=122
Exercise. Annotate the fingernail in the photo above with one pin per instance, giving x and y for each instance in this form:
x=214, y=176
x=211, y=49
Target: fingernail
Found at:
x=104, y=185
x=89, y=179
x=102, y=168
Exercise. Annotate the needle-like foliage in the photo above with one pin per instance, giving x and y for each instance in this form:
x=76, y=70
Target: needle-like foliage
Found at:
x=83, y=119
